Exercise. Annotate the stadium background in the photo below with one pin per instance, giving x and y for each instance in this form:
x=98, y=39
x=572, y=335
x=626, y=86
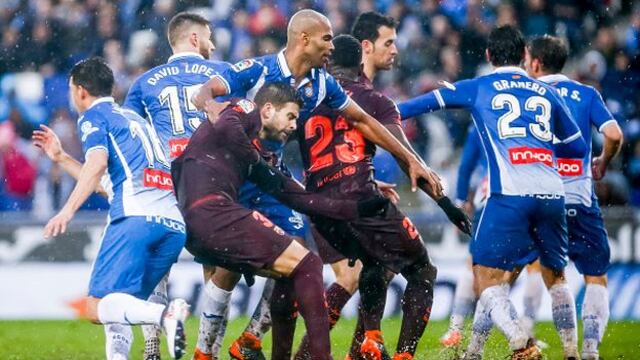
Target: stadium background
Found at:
x=437, y=40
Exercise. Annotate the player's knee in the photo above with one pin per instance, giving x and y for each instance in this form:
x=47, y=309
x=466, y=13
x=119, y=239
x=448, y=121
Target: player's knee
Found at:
x=424, y=272
x=225, y=279
x=347, y=276
x=91, y=309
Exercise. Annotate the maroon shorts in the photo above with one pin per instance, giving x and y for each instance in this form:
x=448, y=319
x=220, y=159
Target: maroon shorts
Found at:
x=390, y=240
x=328, y=253
x=223, y=233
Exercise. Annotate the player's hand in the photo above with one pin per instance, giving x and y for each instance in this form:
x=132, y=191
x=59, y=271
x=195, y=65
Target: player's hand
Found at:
x=388, y=190
x=598, y=168
x=49, y=142
x=213, y=109
x=467, y=207
x=373, y=206
x=419, y=172
x=57, y=225
x=455, y=215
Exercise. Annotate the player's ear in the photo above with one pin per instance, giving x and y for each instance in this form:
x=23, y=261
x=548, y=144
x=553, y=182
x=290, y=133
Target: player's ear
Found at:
x=487, y=56
x=267, y=111
x=367, y=46
x=304, y=36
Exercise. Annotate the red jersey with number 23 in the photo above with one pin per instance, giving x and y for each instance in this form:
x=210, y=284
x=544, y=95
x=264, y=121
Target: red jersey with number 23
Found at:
x=336, y=156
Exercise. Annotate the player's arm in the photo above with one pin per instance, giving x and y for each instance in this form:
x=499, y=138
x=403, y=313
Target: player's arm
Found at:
x=48, y=141
x=458, y=95
x=293, y=194
x=602, y=118
x=373, y=131
x=468, y=162
x=570, y=144
x=88, y=179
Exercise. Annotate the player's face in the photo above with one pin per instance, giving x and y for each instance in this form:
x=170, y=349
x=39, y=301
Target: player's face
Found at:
x=384, y=48
x=281, y=122
x=320, y=46
x=205, y=44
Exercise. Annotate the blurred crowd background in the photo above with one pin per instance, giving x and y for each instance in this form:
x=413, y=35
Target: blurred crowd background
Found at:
x=437, y=40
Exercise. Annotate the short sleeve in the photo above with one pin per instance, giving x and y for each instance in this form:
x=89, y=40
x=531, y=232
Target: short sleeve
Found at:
x=336, y=97
x=386, y=110
x=598, y=112
x=92, y=130
x=133, y=100
x=241, y=76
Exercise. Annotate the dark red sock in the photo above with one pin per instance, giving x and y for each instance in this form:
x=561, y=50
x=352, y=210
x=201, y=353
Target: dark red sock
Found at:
x=307, y=280
x=373, y=295
x=337, y=297
x=416, y=308
x=283, y=317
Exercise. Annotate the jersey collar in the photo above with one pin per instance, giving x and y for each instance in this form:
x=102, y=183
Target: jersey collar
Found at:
x=286, y=72
x=553, y=78
x=184, y=54
x=101, y=100
x=510, y=69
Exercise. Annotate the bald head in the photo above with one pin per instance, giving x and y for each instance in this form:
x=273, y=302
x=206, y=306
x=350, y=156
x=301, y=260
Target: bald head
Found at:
x=306, y=21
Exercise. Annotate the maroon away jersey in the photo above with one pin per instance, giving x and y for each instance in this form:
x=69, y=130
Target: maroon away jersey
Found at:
x=336, y=156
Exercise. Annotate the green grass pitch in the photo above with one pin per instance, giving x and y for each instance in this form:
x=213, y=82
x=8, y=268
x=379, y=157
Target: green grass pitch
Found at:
x=83, y=340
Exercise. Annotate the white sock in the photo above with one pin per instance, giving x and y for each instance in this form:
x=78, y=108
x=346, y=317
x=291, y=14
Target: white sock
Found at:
x=463, y=300
x=126, y=309
x=118, y=341
x=480, y=330
x=533, y=290
x=595, y=315
x=495, y=300
x=214, y=309
x=151, y=333
x=563, y=309
x=222, y=329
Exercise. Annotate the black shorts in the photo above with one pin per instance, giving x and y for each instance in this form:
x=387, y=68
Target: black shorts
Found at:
x=224, y=233
x=390, y=240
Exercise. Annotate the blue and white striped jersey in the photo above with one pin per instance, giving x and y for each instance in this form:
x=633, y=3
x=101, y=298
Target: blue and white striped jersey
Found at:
x=137, y=167
x=517, y=118
x=163, y=94
x=588, y=109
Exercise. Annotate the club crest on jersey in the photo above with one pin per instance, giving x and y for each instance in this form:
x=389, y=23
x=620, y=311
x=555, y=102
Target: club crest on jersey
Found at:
x=241, y=65
x=87, y=129
x=244, y=106
x=308, y=90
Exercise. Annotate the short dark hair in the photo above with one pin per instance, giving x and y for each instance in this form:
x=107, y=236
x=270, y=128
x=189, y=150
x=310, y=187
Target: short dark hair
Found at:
x=179, y=21
x=367, y=24
x=551, y=51
x=506, y=46
x=277, y=93
x=94, y=75
x=347, y=52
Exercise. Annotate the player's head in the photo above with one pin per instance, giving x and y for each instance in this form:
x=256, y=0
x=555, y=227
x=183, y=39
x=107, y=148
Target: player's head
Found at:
x=310, y=33
x=505, y=46
x=545, y=55
x=89, y=79
x=190, y=32
x=347, y=53
x=377, y=34
x=279, y=105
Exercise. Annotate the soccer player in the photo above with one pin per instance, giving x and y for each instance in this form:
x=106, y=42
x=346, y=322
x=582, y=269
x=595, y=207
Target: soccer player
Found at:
x=338, y=161
x=517, y=118
x=146, y=231
x=301, y=65
x=588, y=242
x=207, y=177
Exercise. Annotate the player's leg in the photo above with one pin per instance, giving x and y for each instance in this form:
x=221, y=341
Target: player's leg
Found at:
x=118, y=340
x=151, y=333
x=249, y=345
x=501, y=239
x=464, y=301
x=120, y=281
x=550, y=235
x=219, y=284
x=590, y=252
x=533, y=290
